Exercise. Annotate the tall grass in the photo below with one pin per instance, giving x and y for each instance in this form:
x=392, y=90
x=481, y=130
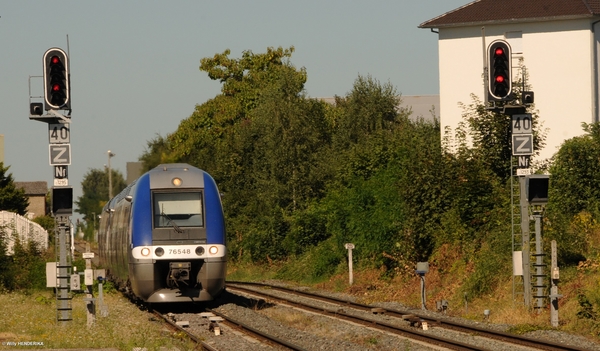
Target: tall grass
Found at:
x=32, y=318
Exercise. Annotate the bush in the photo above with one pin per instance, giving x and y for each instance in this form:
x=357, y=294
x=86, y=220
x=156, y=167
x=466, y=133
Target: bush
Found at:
x=317, y=263
x=490, y=266
x=25, y=269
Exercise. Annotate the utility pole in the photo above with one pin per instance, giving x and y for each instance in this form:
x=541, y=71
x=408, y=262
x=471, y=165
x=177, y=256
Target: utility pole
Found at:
x=110, y=155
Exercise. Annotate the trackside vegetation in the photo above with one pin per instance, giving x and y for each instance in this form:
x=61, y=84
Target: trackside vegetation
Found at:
x=300, y=177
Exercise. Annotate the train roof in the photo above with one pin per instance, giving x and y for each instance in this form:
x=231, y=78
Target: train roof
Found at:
x=173, y=166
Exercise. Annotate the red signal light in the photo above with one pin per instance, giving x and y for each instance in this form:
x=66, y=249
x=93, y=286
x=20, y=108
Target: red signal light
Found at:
x=56, y=80
x=499, y=71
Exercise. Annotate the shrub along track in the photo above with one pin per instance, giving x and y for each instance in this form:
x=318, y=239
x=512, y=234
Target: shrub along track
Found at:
x=414, y=319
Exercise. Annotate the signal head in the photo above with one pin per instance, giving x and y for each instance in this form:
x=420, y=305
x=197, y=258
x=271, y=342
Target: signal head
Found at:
x=499, y=70
x=57, y=94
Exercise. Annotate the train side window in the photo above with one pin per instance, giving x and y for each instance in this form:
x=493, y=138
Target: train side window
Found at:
x=180, y=209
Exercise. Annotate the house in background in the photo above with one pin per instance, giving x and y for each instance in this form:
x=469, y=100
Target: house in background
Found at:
x=36, y=193
x=558, y=42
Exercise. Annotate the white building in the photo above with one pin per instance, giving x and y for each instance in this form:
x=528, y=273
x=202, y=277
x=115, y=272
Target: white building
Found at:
x=558, y=41
x=13, y=226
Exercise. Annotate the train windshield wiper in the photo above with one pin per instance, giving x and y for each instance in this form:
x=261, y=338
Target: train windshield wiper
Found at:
x=169, y=220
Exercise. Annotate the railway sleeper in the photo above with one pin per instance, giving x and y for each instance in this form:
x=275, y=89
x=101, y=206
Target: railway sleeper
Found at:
x=213, y=325
x=413, y=320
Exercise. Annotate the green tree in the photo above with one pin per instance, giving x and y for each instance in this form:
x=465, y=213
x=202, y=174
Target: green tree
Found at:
x=95, y=194
x=386, y=171
x=490, y=134
x=258, y=139
x=243, y=81
x=277, y=171
x=574, y=198
x=157, y=152
x=12, y=199
x=576, y=173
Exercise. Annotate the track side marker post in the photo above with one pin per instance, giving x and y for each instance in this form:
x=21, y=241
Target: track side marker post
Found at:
x=350, y=247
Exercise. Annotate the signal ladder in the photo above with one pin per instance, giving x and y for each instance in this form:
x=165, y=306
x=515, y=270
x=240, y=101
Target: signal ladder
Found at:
x=538, y=278
x=64, y=308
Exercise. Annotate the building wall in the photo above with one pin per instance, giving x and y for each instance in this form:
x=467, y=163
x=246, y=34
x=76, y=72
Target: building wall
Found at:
x=134, y=171
x=37, y=206
x=36, y=194
x=1, y=148
x=559, y=60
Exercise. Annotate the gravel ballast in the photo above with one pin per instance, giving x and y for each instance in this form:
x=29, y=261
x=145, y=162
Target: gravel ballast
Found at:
x=316, y=332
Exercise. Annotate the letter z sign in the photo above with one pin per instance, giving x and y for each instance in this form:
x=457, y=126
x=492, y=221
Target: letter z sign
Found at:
x=60, y=154
x=522, y=144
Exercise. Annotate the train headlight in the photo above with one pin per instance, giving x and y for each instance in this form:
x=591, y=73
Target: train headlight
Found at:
x=199, y=251
x=159, y=251
x=177, y=181
x=213, y=250
x=145, y=251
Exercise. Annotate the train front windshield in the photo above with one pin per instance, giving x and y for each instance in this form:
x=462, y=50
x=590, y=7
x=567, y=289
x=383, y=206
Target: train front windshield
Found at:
x=181, y=209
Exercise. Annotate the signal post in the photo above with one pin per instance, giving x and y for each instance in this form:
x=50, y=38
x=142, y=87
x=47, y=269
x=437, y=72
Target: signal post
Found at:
x=533, y=189
x=57, y=107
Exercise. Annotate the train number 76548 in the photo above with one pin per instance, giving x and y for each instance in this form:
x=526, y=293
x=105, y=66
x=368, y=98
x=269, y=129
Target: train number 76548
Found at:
x=179, y=251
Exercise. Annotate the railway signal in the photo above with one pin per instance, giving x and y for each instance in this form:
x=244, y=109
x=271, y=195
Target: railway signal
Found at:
x=56, y=80
x=499, y=68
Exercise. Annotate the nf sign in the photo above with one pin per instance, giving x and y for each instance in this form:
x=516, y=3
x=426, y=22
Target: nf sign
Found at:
x=61, y=176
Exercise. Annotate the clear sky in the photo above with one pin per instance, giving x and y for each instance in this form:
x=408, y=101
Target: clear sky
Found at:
x=134, y=64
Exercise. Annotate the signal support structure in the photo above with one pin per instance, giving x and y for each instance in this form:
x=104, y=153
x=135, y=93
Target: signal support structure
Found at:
x=499, y=97
x=57, y=105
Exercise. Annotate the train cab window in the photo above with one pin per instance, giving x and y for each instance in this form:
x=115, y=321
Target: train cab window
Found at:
x=181, y=209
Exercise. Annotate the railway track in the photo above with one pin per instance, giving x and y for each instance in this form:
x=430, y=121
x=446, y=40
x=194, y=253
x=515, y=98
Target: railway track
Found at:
x=232, y=323
x=251, y=319
x=411, y=317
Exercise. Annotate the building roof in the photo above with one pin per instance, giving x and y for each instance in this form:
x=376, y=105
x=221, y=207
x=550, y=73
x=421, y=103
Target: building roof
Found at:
x=33, y=188
x=505, y=11
x=421, y=106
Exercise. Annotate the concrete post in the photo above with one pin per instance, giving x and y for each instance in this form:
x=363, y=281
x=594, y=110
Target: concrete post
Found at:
x=525, y=241
x=554, y=296
x=89, y=282
x=350, y=247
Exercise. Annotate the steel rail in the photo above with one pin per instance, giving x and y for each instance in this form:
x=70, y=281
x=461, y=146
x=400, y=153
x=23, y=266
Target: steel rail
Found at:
x=257, y=333
x=445, y=323
x=407, y=332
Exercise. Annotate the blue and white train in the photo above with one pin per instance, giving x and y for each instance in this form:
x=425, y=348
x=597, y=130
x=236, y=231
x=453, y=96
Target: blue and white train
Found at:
x=162, y=239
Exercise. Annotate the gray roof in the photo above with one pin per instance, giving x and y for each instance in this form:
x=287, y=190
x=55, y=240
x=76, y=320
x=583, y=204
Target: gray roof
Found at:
x=33, y=188
x=504, y=11
x=421, y=106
